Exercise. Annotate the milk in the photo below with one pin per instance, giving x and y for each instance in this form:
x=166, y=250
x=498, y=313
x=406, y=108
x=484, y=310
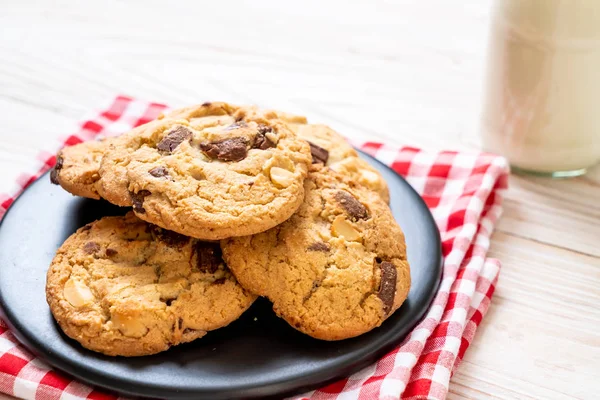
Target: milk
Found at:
x=542, y=96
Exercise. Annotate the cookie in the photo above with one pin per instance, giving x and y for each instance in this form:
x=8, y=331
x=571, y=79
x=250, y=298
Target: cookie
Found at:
x=211, y=171
x=76, y=168
x=330, y=148
x=336, y=269
x=121, y=286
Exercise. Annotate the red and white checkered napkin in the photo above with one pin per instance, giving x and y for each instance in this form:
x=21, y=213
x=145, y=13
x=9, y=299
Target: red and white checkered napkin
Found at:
x=464, y=193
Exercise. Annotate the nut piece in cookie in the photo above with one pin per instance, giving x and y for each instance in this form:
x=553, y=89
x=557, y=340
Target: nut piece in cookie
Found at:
x=210, y=171
x=336, y=269
x=121, y=286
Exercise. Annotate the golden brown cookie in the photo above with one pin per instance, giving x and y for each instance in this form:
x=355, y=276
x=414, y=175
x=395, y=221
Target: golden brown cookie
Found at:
x=336, y=269
x=211, y=171
x=76, y=168
x=121, y=286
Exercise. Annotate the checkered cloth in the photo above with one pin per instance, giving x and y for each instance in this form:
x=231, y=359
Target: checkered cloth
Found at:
x=464, y=192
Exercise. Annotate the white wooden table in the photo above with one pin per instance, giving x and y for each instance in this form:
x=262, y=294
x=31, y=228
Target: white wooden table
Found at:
x=406, y=71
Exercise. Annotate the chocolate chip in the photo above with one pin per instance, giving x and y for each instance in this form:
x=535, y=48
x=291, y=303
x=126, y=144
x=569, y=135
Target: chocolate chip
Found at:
x=319, y=246
x=208, y=256
x=262, y=128
x=207, y=104
x=234, y=149
x=173, y=139
x=319, y=154
x=86, y=228
x=138, y=200
x=219, y=281
x=261, y=141
x=111, y=252
x=387, y=287
x=59, y=162
x=352, y=206
x=54, y=176
x=159, y=172
x=315, y=286
x=57, y=167
x=91, y=247
x=174, y=239
x=170, y=238
x=168, y=300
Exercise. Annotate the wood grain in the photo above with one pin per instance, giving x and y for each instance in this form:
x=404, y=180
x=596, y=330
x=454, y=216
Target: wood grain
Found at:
x=406, y=71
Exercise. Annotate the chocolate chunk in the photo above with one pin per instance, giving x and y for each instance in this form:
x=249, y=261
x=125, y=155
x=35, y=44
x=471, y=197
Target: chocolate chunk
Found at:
x=234, y=149
x=315, y=286
x=261, y=141
x=138, y=200
x=170, y=238
x=208, y=257
x=319, y=154
x=168, y=300
x=319, y=246
x=207, y=104
x=111, y=252
x=387, y=287
x=159, y=172
x=262, y=128
x=91, y=247
x=174, y=239
x=57, y=167
x=219, y=281
x=236, y=125
x=59, y=162
x=353, y=207
x=173, y=139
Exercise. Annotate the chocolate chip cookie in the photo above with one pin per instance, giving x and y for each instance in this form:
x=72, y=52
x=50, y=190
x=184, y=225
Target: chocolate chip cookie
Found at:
x=330, y=148
x=336, y=269
x=76, y=168
x=121, y=286
x=211, y=171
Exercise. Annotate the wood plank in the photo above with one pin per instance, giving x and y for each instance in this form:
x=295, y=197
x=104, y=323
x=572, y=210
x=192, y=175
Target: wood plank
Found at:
x=540, y=209
x=540, y=337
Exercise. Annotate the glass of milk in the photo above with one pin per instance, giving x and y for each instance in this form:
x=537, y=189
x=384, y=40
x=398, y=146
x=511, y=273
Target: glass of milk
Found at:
x=542, y=91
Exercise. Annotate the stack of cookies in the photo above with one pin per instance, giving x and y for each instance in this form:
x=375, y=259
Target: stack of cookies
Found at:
x=227, y=203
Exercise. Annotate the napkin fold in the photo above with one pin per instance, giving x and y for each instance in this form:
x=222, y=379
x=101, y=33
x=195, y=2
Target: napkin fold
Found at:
x=464, y=193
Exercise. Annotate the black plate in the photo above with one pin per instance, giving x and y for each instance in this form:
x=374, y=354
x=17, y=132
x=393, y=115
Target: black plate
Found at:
x=257, y=356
